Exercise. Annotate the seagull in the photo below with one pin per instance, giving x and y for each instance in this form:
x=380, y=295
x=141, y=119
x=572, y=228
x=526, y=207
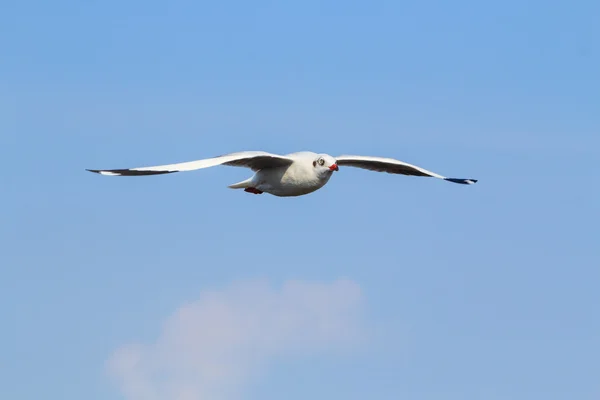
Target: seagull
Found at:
x=293, y=174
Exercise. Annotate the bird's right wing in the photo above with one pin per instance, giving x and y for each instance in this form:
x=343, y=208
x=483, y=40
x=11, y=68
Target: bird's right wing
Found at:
x=255, y=160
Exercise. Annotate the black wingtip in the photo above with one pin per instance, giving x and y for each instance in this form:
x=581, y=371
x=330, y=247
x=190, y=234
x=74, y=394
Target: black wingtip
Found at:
x=462, y=181
x=128, y=172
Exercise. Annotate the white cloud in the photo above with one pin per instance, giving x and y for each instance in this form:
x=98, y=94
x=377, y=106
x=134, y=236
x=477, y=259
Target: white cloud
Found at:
x=210, y=347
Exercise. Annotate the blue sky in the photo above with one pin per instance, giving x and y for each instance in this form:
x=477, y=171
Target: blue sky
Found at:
x=487, y=291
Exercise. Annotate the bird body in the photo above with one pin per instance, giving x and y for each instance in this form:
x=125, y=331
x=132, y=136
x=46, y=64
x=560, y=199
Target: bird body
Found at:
x=294, y=174
x=296, y=179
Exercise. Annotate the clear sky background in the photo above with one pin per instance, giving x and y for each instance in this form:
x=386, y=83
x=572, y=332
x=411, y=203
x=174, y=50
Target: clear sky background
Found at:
x=375, y=287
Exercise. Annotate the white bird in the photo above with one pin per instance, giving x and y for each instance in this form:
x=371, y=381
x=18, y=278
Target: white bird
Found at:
x=294, y=174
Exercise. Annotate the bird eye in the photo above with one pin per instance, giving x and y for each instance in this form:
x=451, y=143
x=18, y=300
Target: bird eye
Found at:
x=321, y=161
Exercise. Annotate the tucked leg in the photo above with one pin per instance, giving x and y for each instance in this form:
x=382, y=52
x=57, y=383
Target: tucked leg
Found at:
x=253, y=190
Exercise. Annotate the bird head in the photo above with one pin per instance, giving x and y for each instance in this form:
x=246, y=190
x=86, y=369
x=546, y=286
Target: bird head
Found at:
x=325, y=164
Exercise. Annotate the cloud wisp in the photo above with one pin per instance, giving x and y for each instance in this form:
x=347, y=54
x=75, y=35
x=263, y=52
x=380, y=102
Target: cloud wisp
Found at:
x=209, y=348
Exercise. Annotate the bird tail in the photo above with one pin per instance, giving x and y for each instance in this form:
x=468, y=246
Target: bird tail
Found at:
x=242, y=184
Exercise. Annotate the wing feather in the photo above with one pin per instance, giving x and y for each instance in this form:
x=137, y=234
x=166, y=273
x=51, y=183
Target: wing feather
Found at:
x=255, y=160
x=392, y=166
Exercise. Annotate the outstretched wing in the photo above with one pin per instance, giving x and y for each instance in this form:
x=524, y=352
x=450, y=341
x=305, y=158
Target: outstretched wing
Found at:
x=255, y=160
x=392, y=166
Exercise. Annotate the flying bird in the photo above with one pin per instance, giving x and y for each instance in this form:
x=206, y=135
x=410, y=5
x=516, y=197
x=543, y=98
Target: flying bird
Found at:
x=294, y=174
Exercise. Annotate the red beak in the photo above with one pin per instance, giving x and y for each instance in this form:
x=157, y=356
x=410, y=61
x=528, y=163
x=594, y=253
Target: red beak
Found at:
x=334, y=167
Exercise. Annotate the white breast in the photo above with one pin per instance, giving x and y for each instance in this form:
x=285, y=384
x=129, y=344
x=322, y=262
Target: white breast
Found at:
x=296, y=180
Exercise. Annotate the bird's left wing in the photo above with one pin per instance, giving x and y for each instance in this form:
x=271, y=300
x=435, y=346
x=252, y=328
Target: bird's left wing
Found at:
x=255, y=160
x=392, y=166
